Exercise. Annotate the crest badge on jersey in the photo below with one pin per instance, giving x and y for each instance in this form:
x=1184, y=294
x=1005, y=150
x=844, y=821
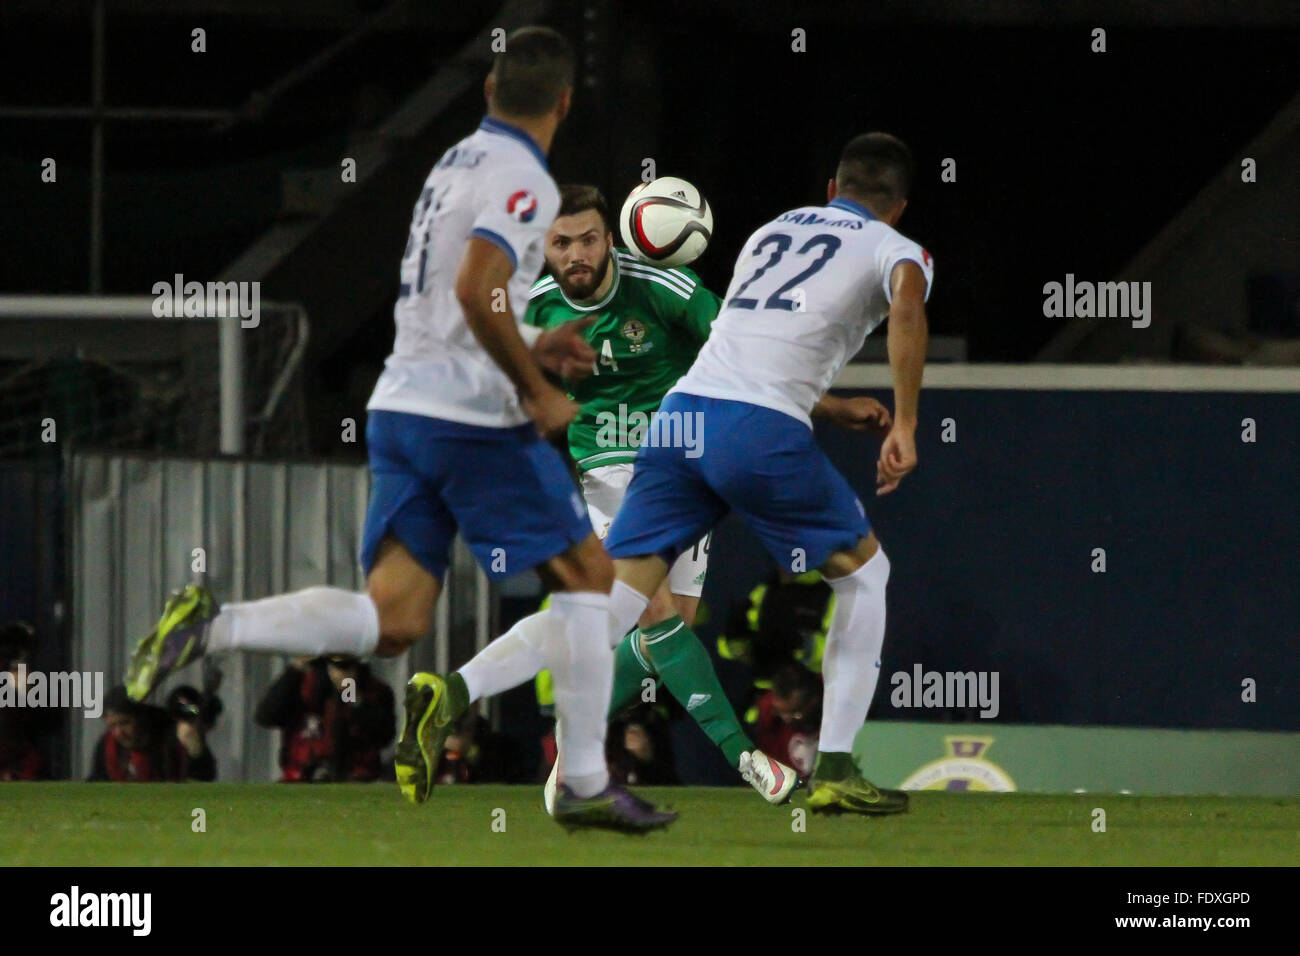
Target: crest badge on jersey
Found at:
x=522, y=206
x=634, y=331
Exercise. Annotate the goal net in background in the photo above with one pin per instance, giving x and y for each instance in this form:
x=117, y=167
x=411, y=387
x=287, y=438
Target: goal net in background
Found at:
x=104, y=371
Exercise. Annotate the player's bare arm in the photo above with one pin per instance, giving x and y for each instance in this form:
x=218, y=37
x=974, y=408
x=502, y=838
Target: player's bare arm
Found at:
x=856, y=413
x=481, y=284
x=908, y=334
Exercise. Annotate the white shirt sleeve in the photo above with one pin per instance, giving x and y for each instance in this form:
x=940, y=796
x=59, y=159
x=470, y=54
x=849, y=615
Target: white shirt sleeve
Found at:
x=516, y=206
x=898, y=249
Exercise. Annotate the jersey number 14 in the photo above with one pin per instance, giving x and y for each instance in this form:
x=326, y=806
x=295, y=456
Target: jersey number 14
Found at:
x=606, y=358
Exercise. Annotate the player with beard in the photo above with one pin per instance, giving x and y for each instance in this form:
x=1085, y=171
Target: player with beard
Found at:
x=646, y=325
x=808, y=288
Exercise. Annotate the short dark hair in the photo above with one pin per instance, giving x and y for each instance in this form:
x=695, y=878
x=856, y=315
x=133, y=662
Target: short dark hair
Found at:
x=793, y=678
x=16, y=639
x=576, y=198
x=875, y=168
x=532, y=72
x=120, y=702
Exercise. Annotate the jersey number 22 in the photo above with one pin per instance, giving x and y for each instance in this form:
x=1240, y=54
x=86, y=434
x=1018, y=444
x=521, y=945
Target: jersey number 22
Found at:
x=780, y=242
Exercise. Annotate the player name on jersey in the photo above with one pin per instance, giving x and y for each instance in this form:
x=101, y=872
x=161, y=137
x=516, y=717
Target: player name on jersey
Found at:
x=494, y=186
x=808, y=288
x=817, y=219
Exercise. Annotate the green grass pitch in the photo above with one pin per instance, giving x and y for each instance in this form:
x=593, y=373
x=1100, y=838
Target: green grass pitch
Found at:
x=75, y=824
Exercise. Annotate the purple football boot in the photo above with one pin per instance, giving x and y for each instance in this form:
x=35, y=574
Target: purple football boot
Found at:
x=614, y=808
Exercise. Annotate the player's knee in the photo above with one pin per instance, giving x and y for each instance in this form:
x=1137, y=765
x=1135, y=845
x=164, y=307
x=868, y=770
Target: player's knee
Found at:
x=597, y=572
x=584, y=567
x=400, y=627
x=660, y=608
x=398, y=637
x=843, y=563
x=848, y=573
x=401, y=622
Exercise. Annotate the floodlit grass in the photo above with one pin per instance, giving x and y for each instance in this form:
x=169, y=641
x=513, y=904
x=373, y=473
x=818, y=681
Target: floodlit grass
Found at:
x=76, y=824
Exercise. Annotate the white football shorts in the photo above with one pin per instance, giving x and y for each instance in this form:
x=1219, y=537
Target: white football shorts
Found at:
x=603, y=487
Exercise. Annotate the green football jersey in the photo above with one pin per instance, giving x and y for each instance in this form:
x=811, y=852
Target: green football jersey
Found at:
x=649, y=327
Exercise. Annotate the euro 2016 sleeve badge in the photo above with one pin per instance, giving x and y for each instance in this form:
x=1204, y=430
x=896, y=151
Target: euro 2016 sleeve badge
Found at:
x=522, y=206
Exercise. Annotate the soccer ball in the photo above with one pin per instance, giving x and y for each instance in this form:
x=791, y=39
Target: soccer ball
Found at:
x=667, y=222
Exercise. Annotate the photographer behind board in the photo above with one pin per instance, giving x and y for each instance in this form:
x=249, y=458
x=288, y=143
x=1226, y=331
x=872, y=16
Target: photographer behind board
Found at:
x=22, y=729
x=335, y=719
x=148, y=744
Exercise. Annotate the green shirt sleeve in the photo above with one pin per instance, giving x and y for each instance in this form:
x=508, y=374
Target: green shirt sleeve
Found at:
x=533, y=316
x=700, y=310
x=540, y=293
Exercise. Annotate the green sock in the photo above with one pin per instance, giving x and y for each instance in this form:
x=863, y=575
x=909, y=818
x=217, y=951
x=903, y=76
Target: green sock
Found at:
x=834, y=766
x=457, y=694
x=629, y=672
x=683, y=664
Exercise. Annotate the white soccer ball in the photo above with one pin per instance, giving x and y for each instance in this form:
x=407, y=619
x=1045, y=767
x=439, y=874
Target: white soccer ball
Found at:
x=667, y=222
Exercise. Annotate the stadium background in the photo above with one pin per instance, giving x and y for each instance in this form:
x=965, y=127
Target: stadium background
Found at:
x=1123, y=164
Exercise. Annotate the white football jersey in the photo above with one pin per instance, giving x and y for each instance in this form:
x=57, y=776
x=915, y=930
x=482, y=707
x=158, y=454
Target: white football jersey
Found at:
x=808, y=288
x=492, y=185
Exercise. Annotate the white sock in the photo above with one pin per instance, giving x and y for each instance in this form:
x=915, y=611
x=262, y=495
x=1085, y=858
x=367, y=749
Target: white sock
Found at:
x=851, y=666
x=583, y=668
x=311, y=622
x=626, y=605
x=514, y=657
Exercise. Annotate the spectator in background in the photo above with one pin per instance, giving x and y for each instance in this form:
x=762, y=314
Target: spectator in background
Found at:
x=784, y=620
x=147, y=744
x=474, y=753
x=190, y=707
x=335, y=716
x=20, y=728
x=785, y=721
x=638, y=748
x=779, y=634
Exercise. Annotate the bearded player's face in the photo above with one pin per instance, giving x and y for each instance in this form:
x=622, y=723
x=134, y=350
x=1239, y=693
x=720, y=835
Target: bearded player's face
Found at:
x=578, y=250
